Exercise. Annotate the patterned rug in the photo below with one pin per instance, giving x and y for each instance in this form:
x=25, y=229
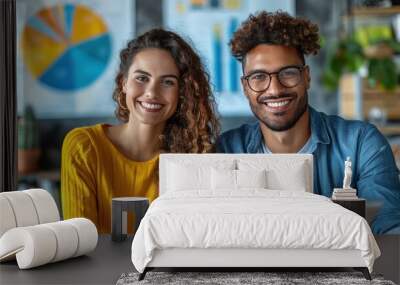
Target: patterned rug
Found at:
x=270, y=278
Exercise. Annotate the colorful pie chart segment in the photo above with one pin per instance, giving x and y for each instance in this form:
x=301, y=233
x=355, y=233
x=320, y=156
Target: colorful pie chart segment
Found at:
x=66, y=47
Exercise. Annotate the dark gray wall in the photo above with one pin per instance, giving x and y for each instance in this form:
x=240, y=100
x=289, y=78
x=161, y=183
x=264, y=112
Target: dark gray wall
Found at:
x=327, y=15
x=148, y=15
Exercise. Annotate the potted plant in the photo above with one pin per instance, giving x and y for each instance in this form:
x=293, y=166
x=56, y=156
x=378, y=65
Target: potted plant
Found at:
x=28, y=142
x=351, y=57
x=369, y=51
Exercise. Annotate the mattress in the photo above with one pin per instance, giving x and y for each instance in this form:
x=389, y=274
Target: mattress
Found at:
x=250, y=219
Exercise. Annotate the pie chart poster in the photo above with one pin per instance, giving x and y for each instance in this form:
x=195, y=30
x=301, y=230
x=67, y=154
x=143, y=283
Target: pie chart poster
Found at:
x=68, y=55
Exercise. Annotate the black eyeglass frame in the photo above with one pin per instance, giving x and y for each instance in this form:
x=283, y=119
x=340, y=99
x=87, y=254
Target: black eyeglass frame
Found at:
x=299, y=67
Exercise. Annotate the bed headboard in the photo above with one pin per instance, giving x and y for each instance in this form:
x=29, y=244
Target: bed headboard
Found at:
x=282, y=163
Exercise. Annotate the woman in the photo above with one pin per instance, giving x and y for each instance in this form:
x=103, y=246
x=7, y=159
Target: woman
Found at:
x=165, y=104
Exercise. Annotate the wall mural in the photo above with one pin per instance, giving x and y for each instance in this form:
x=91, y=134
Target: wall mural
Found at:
x=68, y=55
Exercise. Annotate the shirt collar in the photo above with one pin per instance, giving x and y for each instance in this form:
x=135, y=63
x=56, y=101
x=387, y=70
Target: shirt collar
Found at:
x=256, y=139
x=319, y=133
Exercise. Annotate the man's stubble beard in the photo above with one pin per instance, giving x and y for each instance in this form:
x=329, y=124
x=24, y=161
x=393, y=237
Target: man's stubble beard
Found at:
x=302, y=108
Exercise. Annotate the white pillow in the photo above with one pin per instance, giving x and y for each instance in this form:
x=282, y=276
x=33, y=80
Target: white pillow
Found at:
x=228, y=179
x=293, y=180
x=251, y=178
x=193, y=175
x=282, y=174
x=183, y=177
x=223, y=179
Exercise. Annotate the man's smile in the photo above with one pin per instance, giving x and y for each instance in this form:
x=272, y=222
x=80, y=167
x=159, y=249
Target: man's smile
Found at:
x=277, y=104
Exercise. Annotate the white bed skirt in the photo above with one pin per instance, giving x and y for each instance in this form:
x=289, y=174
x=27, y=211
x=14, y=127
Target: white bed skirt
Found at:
x=234, y=257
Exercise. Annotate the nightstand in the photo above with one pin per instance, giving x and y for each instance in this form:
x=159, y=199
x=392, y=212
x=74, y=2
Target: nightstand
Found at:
x=356, y=205
x=120, y=208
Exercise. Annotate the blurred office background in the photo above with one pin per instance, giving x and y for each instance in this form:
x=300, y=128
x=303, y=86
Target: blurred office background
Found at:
x=67, y=56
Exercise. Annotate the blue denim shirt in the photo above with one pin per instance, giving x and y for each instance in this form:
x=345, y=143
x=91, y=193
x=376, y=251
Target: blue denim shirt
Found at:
x=333, y=139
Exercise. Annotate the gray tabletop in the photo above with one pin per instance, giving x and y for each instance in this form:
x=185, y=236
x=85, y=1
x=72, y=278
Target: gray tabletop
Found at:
x=102, y=266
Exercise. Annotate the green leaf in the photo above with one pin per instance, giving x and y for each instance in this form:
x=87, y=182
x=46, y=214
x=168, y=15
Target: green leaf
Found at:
x=384, y=72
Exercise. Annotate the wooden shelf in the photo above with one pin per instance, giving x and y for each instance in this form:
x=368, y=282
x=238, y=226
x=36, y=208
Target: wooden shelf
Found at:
x=375, y=11
x=390, y=130
x=356, y=99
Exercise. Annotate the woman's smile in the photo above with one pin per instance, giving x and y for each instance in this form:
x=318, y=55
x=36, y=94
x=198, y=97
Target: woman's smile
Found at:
x=150, y=106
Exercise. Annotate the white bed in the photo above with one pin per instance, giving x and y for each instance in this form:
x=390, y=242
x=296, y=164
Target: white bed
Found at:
x=219, y=210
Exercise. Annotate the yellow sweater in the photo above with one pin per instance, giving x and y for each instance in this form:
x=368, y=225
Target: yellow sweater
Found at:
x=93, y=171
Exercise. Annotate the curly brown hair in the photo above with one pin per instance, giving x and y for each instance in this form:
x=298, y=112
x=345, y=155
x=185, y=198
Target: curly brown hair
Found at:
x=277, y=28
x=194, y=127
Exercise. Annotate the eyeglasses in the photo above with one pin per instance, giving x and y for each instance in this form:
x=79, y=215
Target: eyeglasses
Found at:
x=288, y=76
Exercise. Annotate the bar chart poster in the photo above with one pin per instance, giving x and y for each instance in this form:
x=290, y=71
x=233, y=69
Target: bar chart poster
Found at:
x=209, y=25
x=67, y=53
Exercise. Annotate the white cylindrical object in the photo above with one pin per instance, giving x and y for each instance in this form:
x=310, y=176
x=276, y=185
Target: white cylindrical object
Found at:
x=67, y=239
x=33, y=246
x=7, y=217
x=87, y=234
x=45, y=205
x=23, y=208
x=40, y=244
x=31, y=232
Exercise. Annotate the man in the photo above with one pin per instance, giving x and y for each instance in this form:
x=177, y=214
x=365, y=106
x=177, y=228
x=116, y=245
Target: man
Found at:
x=271, y=47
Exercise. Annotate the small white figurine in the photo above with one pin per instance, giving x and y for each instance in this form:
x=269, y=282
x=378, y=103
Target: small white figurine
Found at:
x=347, y=174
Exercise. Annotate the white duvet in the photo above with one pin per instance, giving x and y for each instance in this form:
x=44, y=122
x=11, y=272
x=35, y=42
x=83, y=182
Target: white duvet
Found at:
x=254, y=218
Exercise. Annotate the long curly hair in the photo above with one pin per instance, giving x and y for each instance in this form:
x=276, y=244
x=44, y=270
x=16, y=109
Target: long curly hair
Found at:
x=277, y=28
x=194, y=126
